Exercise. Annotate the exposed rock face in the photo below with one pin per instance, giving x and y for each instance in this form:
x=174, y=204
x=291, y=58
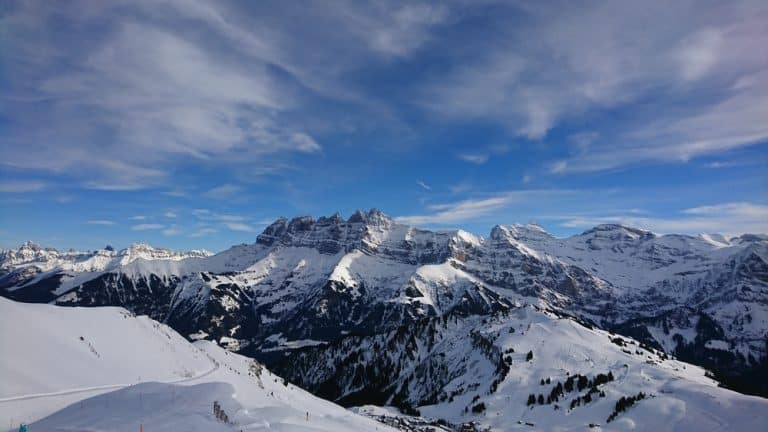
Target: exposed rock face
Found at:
x=319, y=283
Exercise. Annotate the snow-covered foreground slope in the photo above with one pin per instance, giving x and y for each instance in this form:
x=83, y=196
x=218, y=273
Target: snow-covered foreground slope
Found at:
x=485, y=370
x=679, y=397
x=54, y=360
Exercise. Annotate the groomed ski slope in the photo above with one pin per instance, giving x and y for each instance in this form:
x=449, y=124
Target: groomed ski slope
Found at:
x=129, y=371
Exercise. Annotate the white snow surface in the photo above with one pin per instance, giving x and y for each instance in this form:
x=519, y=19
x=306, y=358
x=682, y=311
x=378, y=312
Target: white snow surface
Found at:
x=129, y=371
x=679, y=395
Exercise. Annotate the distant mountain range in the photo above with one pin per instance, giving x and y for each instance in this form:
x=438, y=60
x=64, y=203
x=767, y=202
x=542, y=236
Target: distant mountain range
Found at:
x=365, y=310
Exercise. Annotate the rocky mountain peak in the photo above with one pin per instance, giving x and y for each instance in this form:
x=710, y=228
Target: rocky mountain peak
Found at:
x=373, y=217
x=300, y=224
x=31, y=245
x=617, y=232
x=334, y=219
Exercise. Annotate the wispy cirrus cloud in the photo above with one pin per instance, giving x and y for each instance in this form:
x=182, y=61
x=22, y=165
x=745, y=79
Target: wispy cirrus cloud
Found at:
x=137, y=90
x=172, y=230
x=239, y=226
x=223, y=191
x=145, y=95
x=208, y=215
x=727, y=218
x=732, y=123
x=203, y=232
x=105, y=222
x=21, y=186
x=475, y=158
x=147, y=226
x=562, y=61
x=474, y=209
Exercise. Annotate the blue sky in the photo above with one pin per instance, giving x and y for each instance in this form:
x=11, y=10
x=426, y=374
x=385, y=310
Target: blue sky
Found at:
x=193, y=124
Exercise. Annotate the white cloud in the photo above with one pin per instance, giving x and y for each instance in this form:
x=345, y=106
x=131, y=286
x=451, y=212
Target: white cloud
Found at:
x=423, y=185
x=184, y=83
x=170, y=215
x=203, y=232
x=172, y=230
x=558, y=167
x=146, y=96
x=223, y=191
x=138, y=217
x=239, y=226
x=207, y=215
x=201, y=213
x=403, y=28
x=147, y=226
x=21, y=186
x=470, y=210
x=460, y=188
x=566, y=61
x=175, y=193
x=583, y=140
x=304, y=142
x=100, y=222
x=726, y=218
x=699, y=53
x=477, y=159
x=732, y=123
x=737, y=209
x=717, y=164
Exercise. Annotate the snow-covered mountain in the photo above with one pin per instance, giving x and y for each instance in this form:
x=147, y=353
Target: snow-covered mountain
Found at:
x=520, y=368
x=524, y=368
x=104, y=369
x=32, y=262
x=309, y=287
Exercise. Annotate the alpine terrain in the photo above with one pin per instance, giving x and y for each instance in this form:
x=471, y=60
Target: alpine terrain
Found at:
x=614, y=328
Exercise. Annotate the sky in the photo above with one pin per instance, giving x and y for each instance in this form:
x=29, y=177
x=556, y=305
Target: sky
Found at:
x=193, y=124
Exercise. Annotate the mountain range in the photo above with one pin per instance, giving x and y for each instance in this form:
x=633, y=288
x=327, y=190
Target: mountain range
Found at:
x=368, y=311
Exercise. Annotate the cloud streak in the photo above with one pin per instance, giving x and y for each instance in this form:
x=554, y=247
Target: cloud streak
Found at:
x=474, y=209
x=104, y=222
x=147, y=226
x=145, y=95
x=423, y=185
x=239, y=226
x=203, y=232
x=726, y=218
x=563, y=61
x=21, y=186
x=477, y=159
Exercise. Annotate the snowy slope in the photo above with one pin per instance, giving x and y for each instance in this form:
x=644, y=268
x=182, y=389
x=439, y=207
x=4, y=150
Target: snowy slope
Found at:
x=142, y=373
x=679, y=397
x=476, y=369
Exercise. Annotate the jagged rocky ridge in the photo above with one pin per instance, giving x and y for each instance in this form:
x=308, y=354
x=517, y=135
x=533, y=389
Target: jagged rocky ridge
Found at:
x=311, y=289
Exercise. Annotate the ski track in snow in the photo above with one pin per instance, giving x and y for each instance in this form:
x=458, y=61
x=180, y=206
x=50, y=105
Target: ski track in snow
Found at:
x=107, y=387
